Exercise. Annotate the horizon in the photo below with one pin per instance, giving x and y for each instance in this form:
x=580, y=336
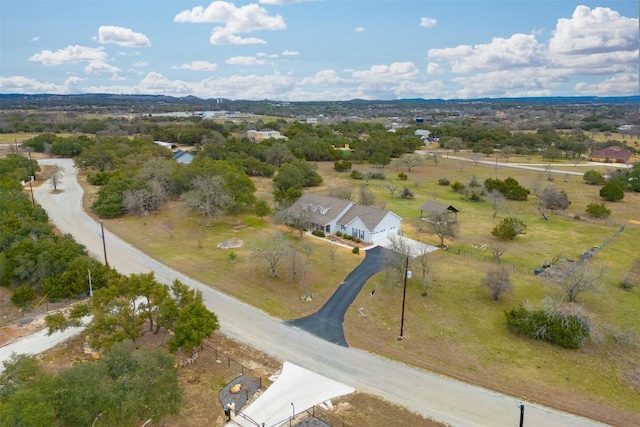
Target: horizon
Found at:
x=323, y=50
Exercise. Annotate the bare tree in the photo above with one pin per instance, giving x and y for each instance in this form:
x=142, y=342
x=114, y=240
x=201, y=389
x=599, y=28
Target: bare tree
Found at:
x=579, y=278
x=278, y=154
x=497, y=251
x=498, y=282
x=498, y=201
x=296, y=216
x=507, y=152
x=144, y=200
x=476, y=158
x=333, y=254
x=436, y=158
x=396, y=260
x=56, y=176
x=442, y=227
x=272, y=250
x=424, y=267
x=169, y=225
x=391, y=187
x=344, y=193
x=209, y=197
x=366, y=197
x=552, y=199
x=410, y=161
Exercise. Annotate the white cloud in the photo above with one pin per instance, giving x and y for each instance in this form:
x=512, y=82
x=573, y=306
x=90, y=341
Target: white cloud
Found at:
x=282, y=2
x=197, y=66
x=100, y=67
x=358, y=29
x=517, y=51
x=21, y=84
x=70, y=54
x=141, y=64
x=155, y=83
x=595, y=41
x=35, y=39
x=618, y=85
x=428, y=22
x=324, y=78
x=387, y=73
x=434, y=68
x=244, y=60
x=237, y=20
x=109, y=34
x=510, y=83
x=288, y=52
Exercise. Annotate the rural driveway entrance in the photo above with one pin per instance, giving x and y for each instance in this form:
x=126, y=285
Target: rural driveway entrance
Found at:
x=328, y=322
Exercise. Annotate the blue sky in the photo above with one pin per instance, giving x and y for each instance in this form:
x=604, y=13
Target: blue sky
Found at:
x=327, y=50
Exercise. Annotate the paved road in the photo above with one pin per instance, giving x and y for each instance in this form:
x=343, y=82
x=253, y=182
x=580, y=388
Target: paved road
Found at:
x=429, y=394
x=328, y=322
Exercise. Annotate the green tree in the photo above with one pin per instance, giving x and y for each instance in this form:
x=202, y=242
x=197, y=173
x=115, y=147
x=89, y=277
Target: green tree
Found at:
x=593, y=177
x=509, y=228
x=209, y=197
x=598, y=210
x=612, y=192
x=193, y=325
x=262, y=208
x=23, y=296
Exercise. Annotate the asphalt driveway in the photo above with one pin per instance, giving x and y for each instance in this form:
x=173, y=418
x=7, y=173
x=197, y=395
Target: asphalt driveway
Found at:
x=328, y=322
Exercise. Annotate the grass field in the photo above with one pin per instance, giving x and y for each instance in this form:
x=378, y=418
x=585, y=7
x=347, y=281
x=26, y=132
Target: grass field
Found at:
x=456, y=329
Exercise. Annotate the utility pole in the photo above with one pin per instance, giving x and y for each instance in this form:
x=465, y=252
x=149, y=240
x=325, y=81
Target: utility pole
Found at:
x=104, y=245
x=404, y=296
x=521, y=414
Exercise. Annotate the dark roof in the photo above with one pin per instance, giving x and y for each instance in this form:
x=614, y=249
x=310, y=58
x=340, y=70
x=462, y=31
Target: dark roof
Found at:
x=323, y=209
x=371, y=217
x=436, y=208
x=612, y=152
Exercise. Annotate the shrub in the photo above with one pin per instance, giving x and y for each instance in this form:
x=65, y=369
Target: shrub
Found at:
x=457, y=186
x=338, y=234
x=568, y=331
x=232, y=257
x=510, y=188
x=318, y=233
x=509, y=228
x=342, y=166
x=593, y=177
x=598, y=210
x=356, y=174
x=356, y=250
x=376, y=175
x=403, y=176
x=99, y=178
x=22, y=296
x=406, y=194
x=612, y=191
x=626, y=284
x=443, y=181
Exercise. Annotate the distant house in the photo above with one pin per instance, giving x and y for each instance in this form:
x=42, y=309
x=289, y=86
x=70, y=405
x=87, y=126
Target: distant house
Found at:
x=433, y=208
x=166, y=144
x=612, y=154
x=183, y=157
x=330, y=215
x=261, y=135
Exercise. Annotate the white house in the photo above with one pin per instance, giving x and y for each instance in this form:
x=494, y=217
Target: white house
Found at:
x=331, y=215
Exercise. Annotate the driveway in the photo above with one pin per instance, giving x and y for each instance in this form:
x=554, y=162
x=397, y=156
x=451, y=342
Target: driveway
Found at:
x=426, y=393
x=328, y=322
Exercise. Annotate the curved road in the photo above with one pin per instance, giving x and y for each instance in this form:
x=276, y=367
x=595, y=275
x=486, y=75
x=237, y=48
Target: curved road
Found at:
x=431, y=395
x=328, y=322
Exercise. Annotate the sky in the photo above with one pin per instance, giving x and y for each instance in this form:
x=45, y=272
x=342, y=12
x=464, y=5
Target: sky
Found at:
x=321, y=50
